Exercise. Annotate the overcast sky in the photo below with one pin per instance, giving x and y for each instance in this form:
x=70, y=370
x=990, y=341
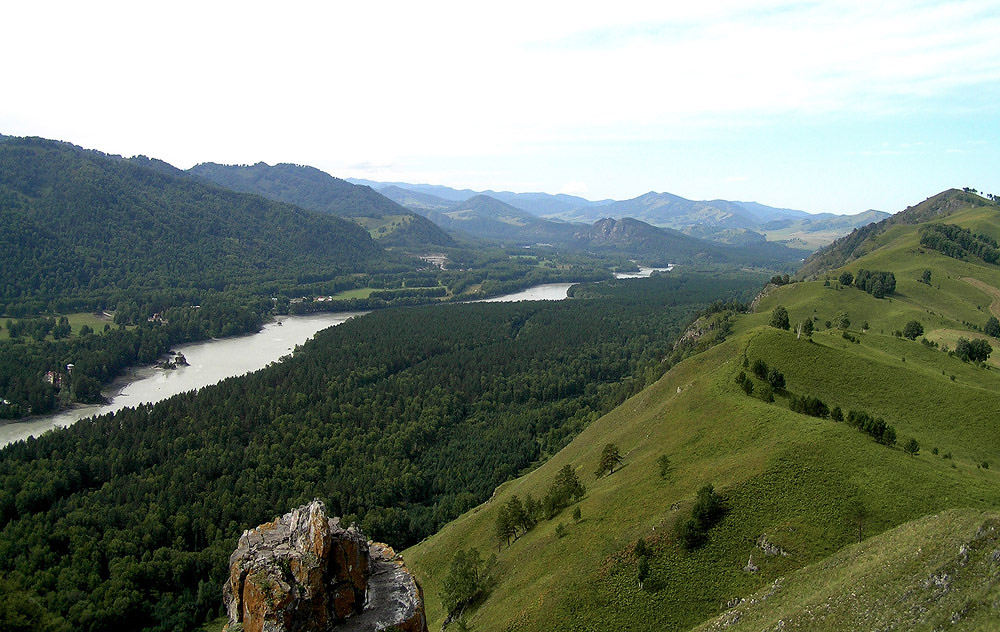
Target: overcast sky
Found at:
x=820, y=106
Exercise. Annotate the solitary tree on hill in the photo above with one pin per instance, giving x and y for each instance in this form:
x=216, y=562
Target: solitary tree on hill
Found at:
x=913, y=329
x=779, y=318
x=846, y=278
x=911, y=447
x=610, y=457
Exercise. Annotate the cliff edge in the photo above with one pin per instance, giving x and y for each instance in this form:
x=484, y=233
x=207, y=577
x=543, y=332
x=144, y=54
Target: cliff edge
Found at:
x=304, y=572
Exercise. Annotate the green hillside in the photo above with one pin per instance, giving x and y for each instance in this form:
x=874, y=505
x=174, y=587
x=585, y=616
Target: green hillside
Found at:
x=787, y=480
x=933, y=573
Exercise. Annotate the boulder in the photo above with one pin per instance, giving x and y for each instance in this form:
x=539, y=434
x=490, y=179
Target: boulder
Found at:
x=305, y=572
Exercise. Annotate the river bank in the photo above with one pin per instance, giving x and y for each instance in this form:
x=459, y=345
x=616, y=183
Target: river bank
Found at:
x=212, y=361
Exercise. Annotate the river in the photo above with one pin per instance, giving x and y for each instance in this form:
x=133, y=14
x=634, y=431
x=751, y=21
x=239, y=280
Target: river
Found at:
x=212, y=361
x=643, y=272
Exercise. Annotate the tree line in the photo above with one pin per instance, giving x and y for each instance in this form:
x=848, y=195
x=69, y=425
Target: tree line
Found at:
x=958, y=243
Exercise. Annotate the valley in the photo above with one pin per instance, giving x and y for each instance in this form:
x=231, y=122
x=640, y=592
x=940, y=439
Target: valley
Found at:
x=669, y=429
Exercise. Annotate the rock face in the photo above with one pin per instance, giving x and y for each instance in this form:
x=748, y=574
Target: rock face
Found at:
x=303, y=572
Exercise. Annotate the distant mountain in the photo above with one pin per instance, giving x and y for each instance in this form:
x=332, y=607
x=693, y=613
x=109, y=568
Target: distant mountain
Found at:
x=310, y=188
x=488, y=218
x=672, y=211
x=81, y=225
x=659, y=246
x=637, y=238
x=416, y=199
x=540, y=204
x=717, y=220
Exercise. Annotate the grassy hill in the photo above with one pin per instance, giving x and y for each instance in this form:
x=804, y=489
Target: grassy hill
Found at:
x=788, y=480
x=929, y=574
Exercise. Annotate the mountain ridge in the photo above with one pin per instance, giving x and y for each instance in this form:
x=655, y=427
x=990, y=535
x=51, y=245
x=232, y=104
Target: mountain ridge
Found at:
x=317, y=190
x=711, y=219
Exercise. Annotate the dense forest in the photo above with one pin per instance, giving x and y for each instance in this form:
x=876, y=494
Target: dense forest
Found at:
x=83, y=230
x=401, y=420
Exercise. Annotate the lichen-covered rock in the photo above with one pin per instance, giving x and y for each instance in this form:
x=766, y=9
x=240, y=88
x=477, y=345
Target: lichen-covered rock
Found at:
x=305, y=572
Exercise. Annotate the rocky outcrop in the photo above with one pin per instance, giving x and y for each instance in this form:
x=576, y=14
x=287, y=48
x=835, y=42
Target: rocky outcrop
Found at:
x=305, y=572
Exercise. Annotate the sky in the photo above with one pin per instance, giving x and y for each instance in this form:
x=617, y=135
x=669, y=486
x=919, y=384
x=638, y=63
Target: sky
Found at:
x=820, y=106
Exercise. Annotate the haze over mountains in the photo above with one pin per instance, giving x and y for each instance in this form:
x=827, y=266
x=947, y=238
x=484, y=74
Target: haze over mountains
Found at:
x=717, y=220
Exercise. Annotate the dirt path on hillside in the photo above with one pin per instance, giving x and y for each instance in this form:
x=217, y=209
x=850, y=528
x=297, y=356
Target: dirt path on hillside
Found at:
x=989, y=289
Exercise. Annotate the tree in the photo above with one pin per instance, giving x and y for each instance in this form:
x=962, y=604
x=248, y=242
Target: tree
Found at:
x=516, y=514
x=642, y=570
x=842, y=320
x=846, y=278
x=566, y=486
x=926, y=277
x=807, y=327
x=664, y=462
x=992, y=327
x=532, y=509
x=776, y=379
x=913, y=329
x=977, y=350
x=766, y=393
x=759, y=368
x=466, y=581
x=911, y=447
x=503, y=528
x=707, y=510
x=610, y=457
x=779, y=318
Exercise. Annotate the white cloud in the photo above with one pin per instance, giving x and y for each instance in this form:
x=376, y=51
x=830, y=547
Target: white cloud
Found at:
x=378, y=82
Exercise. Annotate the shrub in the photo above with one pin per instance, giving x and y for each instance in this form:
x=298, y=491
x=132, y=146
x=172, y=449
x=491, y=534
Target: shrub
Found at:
x=913, y=329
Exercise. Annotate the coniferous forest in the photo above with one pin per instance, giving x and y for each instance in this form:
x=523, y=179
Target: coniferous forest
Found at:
x=400, y=420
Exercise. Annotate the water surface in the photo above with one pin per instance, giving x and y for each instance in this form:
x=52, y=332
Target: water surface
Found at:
x=212, y=361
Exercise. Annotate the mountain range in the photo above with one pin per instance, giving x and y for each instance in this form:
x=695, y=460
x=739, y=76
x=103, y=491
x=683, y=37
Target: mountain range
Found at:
x=719, y=220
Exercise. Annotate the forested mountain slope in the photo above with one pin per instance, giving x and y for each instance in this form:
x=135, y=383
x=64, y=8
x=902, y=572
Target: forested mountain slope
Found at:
x=389, y=223
x=809, y=440
x=81, y=227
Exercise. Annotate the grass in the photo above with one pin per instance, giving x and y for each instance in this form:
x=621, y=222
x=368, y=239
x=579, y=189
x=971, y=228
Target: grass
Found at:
x=360, y=292
x=783, y=474
x=76, y=321
x=914, y=577
x=790, y=477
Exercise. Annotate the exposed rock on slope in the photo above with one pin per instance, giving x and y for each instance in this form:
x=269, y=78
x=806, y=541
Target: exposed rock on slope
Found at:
x=305, y=572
